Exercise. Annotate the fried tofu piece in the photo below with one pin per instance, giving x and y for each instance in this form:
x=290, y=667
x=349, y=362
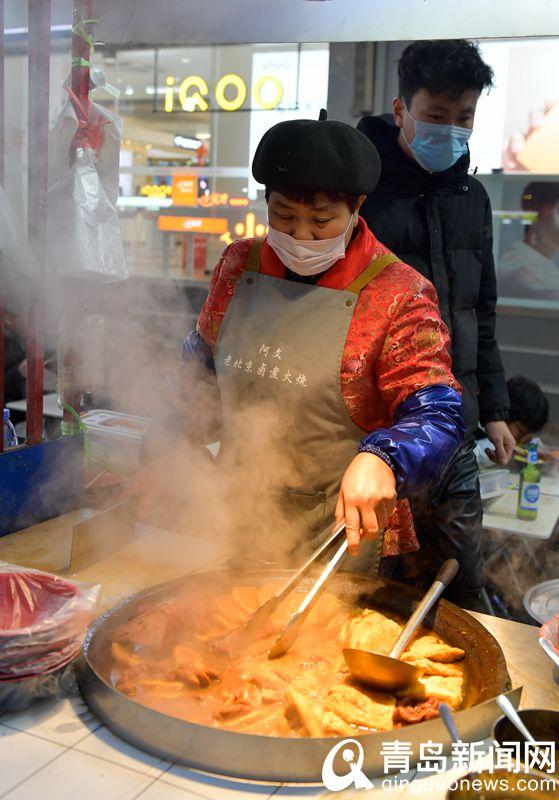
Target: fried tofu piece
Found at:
x=370, y=630
x=266, y=591
x=310, y=717
x=303, y=714
x=433, y=667
x=365, y=709
x=246, y=599
x=447, y=690
x=265, y=674
x=332, y=725
x=431, y=647
x=325, y=610
x=226, y=612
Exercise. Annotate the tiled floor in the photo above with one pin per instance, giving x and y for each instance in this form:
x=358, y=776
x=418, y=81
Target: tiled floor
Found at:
x=216, y=788
x=65, y=722
x=104, y=744
x=76, y=775
x=58, y=751
x=21, y=755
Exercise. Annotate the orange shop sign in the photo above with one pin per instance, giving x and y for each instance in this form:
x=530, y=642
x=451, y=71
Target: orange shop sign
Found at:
x=221, y=199
x=218, y=225
x=185, y=190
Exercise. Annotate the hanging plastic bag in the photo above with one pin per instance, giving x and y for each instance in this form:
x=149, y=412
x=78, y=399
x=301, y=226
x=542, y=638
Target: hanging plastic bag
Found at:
x=83, y=229
x=98, y=128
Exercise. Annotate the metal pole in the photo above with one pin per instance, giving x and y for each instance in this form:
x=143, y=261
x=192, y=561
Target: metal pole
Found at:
x=1, y=374
x=1, y=184
x=2, y=123
x=37, y=183
x=81, y=12
x=80, y=50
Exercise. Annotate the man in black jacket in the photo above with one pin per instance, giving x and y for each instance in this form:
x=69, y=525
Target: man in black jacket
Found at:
x=437, y=217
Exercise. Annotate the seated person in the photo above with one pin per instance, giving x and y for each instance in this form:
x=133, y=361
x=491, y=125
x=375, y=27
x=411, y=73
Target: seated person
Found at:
x=529, y=413
x=530, y=268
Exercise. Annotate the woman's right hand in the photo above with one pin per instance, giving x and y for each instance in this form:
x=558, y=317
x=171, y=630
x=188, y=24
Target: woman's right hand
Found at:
x=366, y=500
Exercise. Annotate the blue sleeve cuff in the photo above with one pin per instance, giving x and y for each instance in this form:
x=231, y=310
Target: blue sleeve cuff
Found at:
x=428, y=428
x=364, y=447
x=194, y=347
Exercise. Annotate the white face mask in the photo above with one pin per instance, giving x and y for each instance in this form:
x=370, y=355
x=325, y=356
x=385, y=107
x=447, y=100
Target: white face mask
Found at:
x=307, y=256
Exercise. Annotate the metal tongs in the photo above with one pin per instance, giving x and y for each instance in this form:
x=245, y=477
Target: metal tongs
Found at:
x=291, y=630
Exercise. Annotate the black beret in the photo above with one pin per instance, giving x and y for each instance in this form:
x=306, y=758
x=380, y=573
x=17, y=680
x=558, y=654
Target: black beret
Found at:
x=321, y=155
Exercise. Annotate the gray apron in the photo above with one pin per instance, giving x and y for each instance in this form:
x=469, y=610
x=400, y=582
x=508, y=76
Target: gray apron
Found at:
x=285, y=425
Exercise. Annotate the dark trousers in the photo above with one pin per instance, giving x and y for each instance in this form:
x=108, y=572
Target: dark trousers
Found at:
x=448, y=523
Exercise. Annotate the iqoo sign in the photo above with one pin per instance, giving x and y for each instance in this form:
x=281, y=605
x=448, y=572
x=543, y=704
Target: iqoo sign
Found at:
x=230, y=93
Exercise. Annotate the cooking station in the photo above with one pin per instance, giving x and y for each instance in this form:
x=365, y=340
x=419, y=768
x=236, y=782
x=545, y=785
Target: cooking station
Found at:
x=59, y=748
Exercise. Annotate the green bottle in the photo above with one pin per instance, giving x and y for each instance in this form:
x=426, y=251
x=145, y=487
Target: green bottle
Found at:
x=529, y=487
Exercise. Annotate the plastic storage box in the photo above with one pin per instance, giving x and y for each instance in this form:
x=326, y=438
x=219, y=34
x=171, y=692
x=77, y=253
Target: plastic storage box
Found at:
x=118, y=435
x=493, y=482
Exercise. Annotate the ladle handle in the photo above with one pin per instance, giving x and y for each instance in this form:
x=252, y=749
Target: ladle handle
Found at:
x=444, y=577
x=510, y=712
x=446, y=715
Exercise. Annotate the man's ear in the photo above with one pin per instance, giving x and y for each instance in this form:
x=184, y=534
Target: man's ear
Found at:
x=398, y=109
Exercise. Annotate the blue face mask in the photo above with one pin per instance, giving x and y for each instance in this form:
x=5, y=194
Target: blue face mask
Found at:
x=437, y=147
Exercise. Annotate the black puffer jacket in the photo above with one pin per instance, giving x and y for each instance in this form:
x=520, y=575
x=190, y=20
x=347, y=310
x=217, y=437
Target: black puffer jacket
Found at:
x=440, y=223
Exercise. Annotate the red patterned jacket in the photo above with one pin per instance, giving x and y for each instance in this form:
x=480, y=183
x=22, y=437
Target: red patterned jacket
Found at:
x=396, y=342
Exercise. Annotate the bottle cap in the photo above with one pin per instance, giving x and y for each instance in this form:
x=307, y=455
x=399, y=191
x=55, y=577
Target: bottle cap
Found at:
x=6, y=414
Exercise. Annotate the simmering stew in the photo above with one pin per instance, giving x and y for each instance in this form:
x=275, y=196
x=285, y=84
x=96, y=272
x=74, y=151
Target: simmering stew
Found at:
x=183, y=658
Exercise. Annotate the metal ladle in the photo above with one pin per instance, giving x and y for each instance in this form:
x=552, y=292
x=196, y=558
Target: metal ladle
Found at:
x=446, y=715
x=388, y=673
x=512, y=715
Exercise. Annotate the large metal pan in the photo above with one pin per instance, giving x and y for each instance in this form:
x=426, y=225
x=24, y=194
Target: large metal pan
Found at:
x=288, y=759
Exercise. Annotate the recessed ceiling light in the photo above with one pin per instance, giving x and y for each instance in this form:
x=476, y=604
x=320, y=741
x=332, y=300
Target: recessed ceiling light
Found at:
x=186, y=60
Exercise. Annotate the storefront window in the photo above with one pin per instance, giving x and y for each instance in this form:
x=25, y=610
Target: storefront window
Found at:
x=192, y=120
x=516, y=144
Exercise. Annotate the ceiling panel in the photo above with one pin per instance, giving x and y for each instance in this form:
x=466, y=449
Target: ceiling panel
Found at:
x=238, y=21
